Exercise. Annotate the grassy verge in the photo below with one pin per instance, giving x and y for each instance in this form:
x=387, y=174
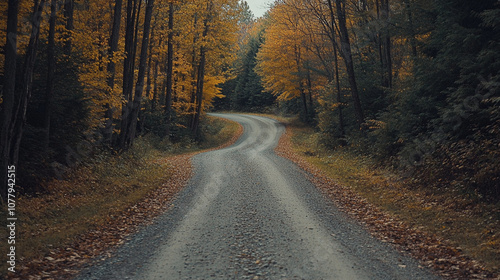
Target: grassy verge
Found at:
x=100, y=190
x=469, y=224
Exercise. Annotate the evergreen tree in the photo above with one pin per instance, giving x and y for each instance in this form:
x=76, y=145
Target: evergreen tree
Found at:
x=249, y=93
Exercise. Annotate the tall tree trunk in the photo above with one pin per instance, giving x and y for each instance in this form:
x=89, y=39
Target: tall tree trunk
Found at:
x=298, y=62
x=136, y=40
x=380, y=45
x=19, y=116
x=150, y=64
x=139, y=88
x=332, y=34
x=170, y=63
x=385, y=43
x=339, y=98
x=199, y=91
x=9, y=89
x=156, y=62
x=69, y=16
x=201, y=74
x=113, y=42
x=128, y=70
x=111, y=69
x=345, y=51
x=192, y=109
x=51, y=64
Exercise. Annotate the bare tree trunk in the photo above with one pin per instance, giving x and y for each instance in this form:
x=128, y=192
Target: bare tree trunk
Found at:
x=154, y=102
x=19, y=116
x=329, y=27
x=128, y=69
x=385, y=43
x=136, y=41
x=345, y=51
x=150, y=63
x=199, y=91
x=192, y=109
x=201, y=74
x=170, y=60
x=339, y=98
x=136, y=105
x=51, y=64
x=9, y=89
x=113, y=42
x=155, y=86
x=301, y=86
x=111, y=69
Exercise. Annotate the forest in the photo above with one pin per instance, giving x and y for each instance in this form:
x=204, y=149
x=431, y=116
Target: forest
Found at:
x=411, y=83
x=102, y=102
x=83, y=77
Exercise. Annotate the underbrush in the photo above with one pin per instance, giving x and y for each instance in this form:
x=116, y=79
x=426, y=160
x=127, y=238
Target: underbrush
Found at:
x=100, y=189
x=471, y=223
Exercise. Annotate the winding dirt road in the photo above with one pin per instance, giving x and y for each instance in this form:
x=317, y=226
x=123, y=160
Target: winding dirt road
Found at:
x=249, y=214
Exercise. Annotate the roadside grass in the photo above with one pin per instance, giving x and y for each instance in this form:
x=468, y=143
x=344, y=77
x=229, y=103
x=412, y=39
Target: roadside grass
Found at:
x=99, y=190
x=452, y=214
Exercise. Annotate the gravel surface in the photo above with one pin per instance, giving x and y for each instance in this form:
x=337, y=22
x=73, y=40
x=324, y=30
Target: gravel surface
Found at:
x=249, y=214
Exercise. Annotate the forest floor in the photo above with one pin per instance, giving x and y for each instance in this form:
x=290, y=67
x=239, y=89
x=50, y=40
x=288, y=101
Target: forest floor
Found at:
x=102, y=202
x=458, y=236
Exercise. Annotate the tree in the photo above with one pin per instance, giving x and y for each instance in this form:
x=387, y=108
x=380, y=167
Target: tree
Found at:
x=136, y=105
x=283, y=56
x=345, y=51
x=111, y=69
x=248, y=92
x=133, y=9
x=384, y=42
x=9, y=87
x=51, y=64
x=92, y=75
x=19, y=115
x=170, y=67
x=203, y=55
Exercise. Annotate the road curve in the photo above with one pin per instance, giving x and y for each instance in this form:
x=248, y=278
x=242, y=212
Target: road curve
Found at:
x=249, y=214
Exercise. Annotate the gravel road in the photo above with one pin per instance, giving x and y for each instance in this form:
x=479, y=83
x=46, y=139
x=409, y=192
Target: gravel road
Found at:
x=249, y=214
